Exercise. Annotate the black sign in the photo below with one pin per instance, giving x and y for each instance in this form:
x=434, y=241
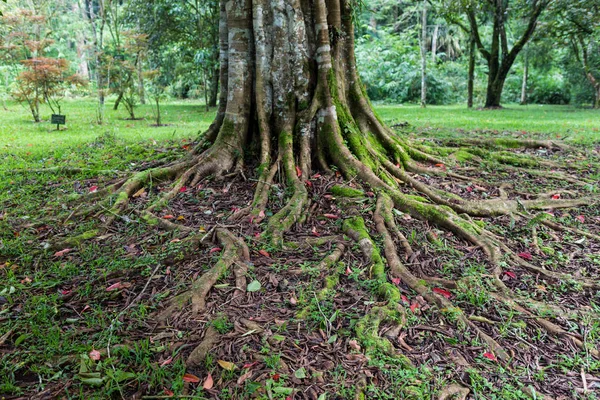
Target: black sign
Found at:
x=58, y=119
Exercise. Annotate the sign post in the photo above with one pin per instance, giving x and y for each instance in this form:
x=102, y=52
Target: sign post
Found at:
x=59, y=120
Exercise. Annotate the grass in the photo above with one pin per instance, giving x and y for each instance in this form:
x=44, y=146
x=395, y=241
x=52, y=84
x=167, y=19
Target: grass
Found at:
x=572, y=123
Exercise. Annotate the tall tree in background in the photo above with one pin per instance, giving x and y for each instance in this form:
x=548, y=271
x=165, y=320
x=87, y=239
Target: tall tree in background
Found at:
x=496, y=50
x=578, y=24
x=424, y=54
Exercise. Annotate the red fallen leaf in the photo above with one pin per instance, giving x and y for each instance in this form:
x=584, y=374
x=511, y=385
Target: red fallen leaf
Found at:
x=166, y=362
x=208, y=383
x=26, y=280
x=397, y=165
x=330, y=216
x=250, y=365
x=525, y=255
x=580, y=218
x=94, y=355
x=442, y=292
x=214, y=250
x=490, y=356
x=264, y=253
x=62, y=252
x=414, y=306
x=190, y=378
x=168, y=392
x=314, y=232
x=337, y=174
x=276, y=377
x=328, y=196
x=442, y=166
x=348, y=270
x=308, y=183
x=235, y=209
x=185, y=146
x=370, y=194
x=168, y=216
x=261, y=214
x=87, y=307
x=396, y=281
x=510, y=274
x=469, y=189
x=115, y=286
x=183, y=189
x=65, y=292
x=257, y=234
x=316, y=176
x=404, y=298
x=298, y=172
x=93, y=189
x=556, y=196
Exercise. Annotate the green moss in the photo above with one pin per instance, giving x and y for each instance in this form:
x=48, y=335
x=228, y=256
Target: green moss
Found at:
x=390, y=292
x=508, y=143
x=463, y=155
x=76, y=240
x=417, y=198
x=513, y=159
x=345, y=191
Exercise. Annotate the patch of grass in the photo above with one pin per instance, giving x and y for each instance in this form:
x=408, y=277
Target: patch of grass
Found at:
x=575, y=124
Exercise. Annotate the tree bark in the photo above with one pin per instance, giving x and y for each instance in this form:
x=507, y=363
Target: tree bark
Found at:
x=434, y=40
x=471, y=76
x=214, y=88
x=525, y=78
x=424, y=56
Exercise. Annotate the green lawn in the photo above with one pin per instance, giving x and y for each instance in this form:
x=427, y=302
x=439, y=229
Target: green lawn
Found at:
x=19, y=135
x=571, y=123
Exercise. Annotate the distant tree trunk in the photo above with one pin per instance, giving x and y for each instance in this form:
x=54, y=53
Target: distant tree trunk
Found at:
x=140, y=76
x=525, y=76
x=424, y=56
x=471, y=77
x=214, y=88
x=118, y=101
x=434, y=40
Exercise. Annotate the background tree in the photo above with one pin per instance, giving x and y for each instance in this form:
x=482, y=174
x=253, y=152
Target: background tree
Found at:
x=497, y=50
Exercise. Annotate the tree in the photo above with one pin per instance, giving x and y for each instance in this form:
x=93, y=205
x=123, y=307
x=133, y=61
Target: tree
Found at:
x=497, y=50
x=578, y=24
x=292, y=102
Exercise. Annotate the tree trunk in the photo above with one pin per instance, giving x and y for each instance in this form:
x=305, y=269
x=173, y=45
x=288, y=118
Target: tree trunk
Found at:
x=140, y=84
x=118, y=101
x=214, y=88
x=494, y=91
x=525, y=77
x=424, y=56
x=471, y=77
x=434, y=39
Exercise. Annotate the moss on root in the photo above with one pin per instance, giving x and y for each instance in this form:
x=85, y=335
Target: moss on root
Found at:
x=346, y=191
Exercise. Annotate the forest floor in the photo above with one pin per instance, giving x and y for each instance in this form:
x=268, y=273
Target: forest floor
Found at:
x=79, y=319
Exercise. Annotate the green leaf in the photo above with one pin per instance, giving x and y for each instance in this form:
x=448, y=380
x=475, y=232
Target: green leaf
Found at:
x=283, y=390
x=323, y=396
x=300, y=373
x=332, y=339
x=93, y=381
x=21, y=339
x=253, y=286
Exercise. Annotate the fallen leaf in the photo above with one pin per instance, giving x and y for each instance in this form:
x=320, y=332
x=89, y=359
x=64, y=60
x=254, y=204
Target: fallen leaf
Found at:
x=191, y=378
x=298, y=172
x=330, y=216
x=168, y=216
x=168, y=392
x=250, y=365
x=214, y=250
x=314, y=232
x=183, y=189
x=348, y=270
x=556, y=196
x=208, y=383
x=469, y=189
x=261, y=214
x=264, y=253
x=180, y=218
x=442, y=292
x=354, y=345
x=62, y=252
x=526, y=255
x=490, y=356
x=396, y=281
x=510, y=274
x=117, y=286
x=414, y=306
x=253, y=286
x=139, y=193
x=229, y=366
x=276, y=377
x=94, y=355
x=580, y=218
x=316, y=176
x=93, y=189
x=26, y=280
x=166, y=362
x=404, y=298
x=243, y=378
